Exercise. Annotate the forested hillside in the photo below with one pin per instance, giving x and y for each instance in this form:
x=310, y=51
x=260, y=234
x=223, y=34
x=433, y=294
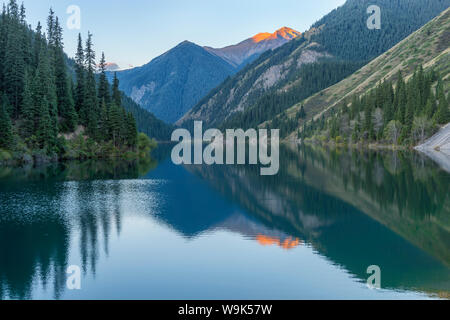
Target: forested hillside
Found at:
x=426, y=50
x=406, y=113
x=146, y=121
x=44, y=113
x=341, y=38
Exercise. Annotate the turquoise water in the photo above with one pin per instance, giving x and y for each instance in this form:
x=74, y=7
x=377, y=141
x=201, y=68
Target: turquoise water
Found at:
x=154, y=230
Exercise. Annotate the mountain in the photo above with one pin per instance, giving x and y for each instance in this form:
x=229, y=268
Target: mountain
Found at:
x=248, y=50
x=112, y=66
x=172, y=83
x=419, y=49
x=335, y=47
x=146, y=121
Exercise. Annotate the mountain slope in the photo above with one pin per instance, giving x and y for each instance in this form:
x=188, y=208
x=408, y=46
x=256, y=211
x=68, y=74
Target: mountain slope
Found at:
x=146, y=122
x=429, y=46
x=340, y=36
x=249, y=50
x=171, y=84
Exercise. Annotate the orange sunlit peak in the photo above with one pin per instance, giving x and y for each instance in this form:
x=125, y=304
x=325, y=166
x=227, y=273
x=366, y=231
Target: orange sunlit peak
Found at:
x=287, y=244
x=262, y=36
x=285, y=33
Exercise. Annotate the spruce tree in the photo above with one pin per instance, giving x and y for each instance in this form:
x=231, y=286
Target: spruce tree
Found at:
x=132, y=134
x=6, y=133
x=302, y=112
x=3, y=42
x=91, y=101
x=66, y=108
x=28, y=109
x=14, y=65
x=117, y=97
x=443, y=112
x=37, y=45
x=103, y=122
x=44, y=101
x=103, y=85
x=80, y=90
x=430, y=108
x=442, y=115
x=114, y=124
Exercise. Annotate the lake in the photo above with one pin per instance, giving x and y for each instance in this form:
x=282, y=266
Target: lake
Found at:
x=153, y=230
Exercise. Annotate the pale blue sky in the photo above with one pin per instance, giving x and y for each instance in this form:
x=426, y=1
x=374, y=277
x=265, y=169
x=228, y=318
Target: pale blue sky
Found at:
x=136, y=31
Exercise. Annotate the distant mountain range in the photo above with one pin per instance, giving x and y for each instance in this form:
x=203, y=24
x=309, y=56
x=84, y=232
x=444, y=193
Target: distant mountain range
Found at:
x=171, y=84
x=248, y=50
x=334, y=47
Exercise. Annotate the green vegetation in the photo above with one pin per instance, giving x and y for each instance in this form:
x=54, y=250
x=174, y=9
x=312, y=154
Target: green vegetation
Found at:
x=406, y=114
x=315, y=77
x=45, y=112
x=276, y=79
x=384, y=68
x=146, y=121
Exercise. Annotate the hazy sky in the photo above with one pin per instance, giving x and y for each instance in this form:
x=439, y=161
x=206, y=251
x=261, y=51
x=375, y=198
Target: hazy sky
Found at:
x=135, y=31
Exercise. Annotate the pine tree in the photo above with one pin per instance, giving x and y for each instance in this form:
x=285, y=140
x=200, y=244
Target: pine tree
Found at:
x=44, y=100
x=6, y=133
x=400, y=99
x=117, y=97
x=103, y=85
x=3, y=42
x=14, y=65
x=37, y=45
x=66, y=108
x=431, y=107
x=28, y=109
x=443, y=112
x=114, y=124
x=91, y=101
x=80, y=91
x=132, y=134
x=302, y=113
x=103, y=122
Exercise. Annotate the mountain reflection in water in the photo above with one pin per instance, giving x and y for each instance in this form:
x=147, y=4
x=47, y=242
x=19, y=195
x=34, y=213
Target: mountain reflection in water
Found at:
x=133, y=225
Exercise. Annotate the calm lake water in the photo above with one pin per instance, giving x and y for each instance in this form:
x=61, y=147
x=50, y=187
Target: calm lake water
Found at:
x=153, y=230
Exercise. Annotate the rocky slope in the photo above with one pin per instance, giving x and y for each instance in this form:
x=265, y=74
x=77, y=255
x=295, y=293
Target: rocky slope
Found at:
x=249, y=50
x=429, y=46
x=341, y=35
x=172, y=83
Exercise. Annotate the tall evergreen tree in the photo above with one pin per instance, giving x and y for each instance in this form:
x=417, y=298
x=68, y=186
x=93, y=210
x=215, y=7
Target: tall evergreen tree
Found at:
x=117, y=97
x=3, y=42
x=14, y=66
x=132, y=135
x=91, y=101
x=114, y=124
x=6, y=134
x=80, y=90
x=103, y=85
x=44, y=100
x=66, y=108
x=29, y=112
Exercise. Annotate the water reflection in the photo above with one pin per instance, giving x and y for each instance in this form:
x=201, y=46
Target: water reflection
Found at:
x=354, y=209
x=40, y=209
x=391, y=209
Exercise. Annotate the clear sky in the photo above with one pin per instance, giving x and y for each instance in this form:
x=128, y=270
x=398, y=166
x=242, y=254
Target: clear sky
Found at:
x=132, y=32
